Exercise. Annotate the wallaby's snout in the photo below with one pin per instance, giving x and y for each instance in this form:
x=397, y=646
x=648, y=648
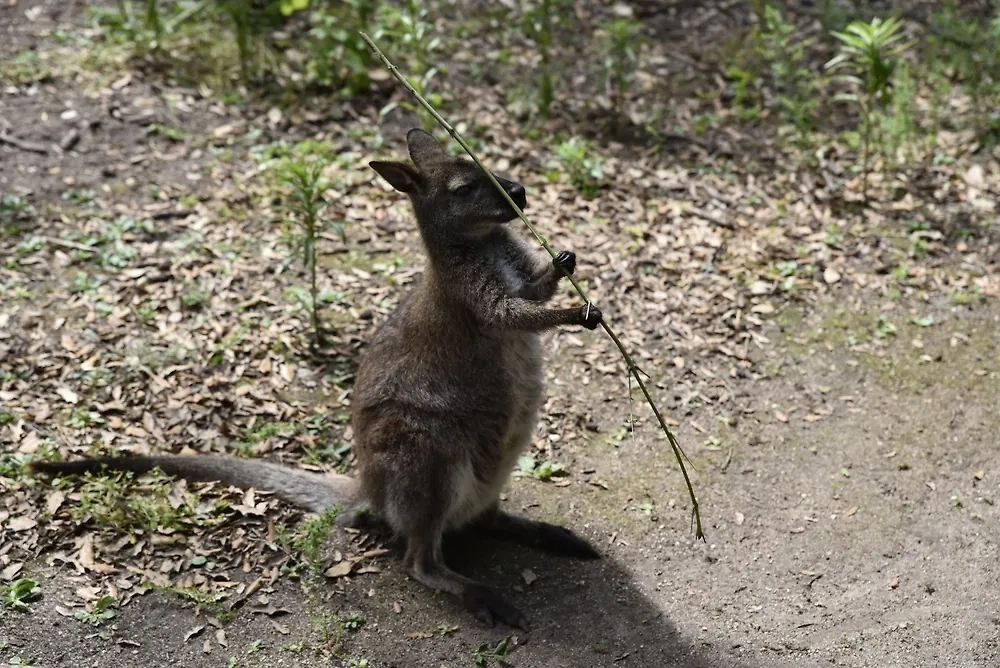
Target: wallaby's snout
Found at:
x=516, y=192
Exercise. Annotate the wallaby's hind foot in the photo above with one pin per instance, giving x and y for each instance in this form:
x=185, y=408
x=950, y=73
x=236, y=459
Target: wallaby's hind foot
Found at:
x=539, y=535
x=488, y=607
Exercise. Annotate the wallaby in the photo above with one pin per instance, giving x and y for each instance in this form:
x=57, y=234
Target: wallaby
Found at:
x=447, y=393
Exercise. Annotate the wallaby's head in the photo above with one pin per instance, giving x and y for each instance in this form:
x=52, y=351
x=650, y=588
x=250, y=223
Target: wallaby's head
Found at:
x=448, y=192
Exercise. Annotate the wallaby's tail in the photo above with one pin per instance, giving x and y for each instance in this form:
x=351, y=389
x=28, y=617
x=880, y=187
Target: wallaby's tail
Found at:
x=313, y=491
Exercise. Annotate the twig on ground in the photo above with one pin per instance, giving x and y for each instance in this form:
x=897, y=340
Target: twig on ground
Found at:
x=22, y=144
x=66, y=243
x=633, y=368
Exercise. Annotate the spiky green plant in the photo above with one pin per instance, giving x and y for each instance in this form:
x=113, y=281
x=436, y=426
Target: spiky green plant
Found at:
x=539, y=22
x=621, y=38
x=869, y=53
x=305, y=204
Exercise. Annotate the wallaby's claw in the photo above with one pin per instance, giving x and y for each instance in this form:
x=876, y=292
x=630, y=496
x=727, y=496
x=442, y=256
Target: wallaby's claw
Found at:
x=590, y=316
x=489, y=607
x=565, y=260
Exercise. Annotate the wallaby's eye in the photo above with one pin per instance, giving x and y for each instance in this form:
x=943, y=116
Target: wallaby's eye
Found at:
x=467, y=189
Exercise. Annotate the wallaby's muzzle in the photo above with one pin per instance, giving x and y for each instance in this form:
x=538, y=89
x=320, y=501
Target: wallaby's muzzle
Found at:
x=515, y=190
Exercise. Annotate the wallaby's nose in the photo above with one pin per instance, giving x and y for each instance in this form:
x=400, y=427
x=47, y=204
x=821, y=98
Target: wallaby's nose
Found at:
x=516, y=192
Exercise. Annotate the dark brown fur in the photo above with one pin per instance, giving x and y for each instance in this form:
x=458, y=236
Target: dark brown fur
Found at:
x=447, y=393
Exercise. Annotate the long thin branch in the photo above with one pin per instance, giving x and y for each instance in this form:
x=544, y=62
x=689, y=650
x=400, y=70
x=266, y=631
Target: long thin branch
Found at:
x=633, y=369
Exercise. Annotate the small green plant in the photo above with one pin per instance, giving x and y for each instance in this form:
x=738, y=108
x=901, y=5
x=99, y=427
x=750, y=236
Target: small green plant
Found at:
x=745, y=94
x=201, y=598
x=100, y=611
x=584, y=168
x=27, y=67
x=168, y=132
x=488, y=651
x=444, y=629
x=528, y=466
x=19, y=593
x=620, y=41
x=305, y=204
x=195, y=298
x=352, y=622
x=79, y=195
x=13, y=208
x=795, y=90
x=898, y=128
x=116, y=501
x=340, y=57
x=84, y=283
x=539, y=22
x=771, y=52
x=970, y=48
x=411, y=27
x=884, y=328
x=308, y=540
x=869, y=53
x=29, y=246
x=251, y=21
x=81, y=418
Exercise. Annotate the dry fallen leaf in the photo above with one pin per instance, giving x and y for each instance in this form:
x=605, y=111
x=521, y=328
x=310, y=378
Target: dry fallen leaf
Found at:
x=53, y=501
x=68, y=395
x=193, y=632
x=529, y=576
x=782, y=417
x=271, y=611
x=88, y=594
x=11, y=571
x=339, y=570
x=21, y=523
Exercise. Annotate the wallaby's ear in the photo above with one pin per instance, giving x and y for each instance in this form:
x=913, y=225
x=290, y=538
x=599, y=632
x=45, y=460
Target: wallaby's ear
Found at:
x=400, y=176
x=423, y=147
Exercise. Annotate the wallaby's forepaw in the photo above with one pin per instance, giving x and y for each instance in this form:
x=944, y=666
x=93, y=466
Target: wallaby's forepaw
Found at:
x=590, y=316
x=565, y=260
x=560, y=540
x=489, y=607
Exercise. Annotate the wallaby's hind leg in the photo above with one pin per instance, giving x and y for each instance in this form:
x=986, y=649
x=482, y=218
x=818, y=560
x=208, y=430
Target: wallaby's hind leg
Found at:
x=417, y=508
x=426, y=565
x=540, y=535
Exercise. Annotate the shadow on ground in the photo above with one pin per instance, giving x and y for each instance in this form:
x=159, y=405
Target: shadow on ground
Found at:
x=582, y=615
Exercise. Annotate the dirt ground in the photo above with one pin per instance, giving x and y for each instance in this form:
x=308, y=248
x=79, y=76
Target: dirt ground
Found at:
x=848, y=480
x=861, y=539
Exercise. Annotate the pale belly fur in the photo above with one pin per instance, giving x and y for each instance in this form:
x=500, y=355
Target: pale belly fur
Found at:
x=523, y=358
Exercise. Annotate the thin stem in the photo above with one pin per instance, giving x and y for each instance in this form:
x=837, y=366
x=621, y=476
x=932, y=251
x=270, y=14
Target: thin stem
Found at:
x=317, y=336
x=633, y=369
x=867, y=141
